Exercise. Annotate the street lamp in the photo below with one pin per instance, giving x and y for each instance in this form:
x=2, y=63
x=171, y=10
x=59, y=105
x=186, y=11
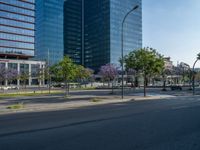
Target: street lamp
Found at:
x=184, y=65
x=193, y=74
x=122, y=46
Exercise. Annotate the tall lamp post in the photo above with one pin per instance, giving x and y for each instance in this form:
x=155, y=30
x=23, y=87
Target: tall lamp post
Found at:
x=122, y=46
x=190, y=73
x=193, y=74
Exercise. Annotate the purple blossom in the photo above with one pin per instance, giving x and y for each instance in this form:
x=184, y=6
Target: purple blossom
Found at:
x=2, y=72
x=7, y=74
x=108, y=72
x=11, y=74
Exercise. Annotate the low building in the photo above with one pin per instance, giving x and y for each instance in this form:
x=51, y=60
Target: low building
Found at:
x=32, y=68
x=168, y=63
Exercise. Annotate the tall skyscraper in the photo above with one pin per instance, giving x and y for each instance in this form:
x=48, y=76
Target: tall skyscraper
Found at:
x=49, y=30
x=93, y=30
x=132, y=27
x=17, y=28
x=74, y=30
x=89, y=31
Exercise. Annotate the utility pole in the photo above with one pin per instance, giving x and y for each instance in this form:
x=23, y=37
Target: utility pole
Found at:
x=49, y=78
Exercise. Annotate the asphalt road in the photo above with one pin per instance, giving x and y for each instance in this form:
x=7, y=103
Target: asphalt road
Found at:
x=170, y=124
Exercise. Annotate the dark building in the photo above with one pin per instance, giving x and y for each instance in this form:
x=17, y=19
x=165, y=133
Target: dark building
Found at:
x=93, y=30
x=97, y=33
x=73, y=30
x=17, y=28
x=89, y=31
x=49, y=30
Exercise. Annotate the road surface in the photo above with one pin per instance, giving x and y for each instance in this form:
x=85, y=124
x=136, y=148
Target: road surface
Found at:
x=168, y=124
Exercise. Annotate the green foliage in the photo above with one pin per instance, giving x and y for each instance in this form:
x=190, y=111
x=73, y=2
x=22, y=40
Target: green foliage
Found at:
x=96, y=100
x=198, y=56
x=146, y=61
x=24, y=76
x=83, y=73
x=65, y=70
x=55, y=73
x=16, y=106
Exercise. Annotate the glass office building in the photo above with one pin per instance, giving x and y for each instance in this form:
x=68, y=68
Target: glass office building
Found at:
x=17, y=28
x=97, y=33
x=132, y=27
x=49, y=30
x=89, y=31
x=93, y=30
x=73, y=30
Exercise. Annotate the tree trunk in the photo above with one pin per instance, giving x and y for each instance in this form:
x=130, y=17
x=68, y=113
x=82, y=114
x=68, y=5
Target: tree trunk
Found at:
x=66, y=91
x=49, y=85
x=85, y=84
x=25, y=84
x=136, y=81
x=145, y=80
x=164, y=84
x=108, y=83
x=112, y=88
x=39, y=87
x=68, y=88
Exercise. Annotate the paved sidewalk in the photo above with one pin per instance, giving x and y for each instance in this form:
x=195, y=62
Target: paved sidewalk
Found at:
x=51, y=103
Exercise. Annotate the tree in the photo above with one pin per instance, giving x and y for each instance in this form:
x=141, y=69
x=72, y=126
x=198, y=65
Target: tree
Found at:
x=44, y=74
x=91, y=76
x=39, y=73
x=145, y=61
x=23, y=76
x=11, y=75
x=55, y=73
x=165, y=73
x=2, y=73
x=8, y=75
x=109, y=73
x=67, y=69
x=83, y=74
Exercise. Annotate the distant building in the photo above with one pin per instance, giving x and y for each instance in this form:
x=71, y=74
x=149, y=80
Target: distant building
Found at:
x=168, y=63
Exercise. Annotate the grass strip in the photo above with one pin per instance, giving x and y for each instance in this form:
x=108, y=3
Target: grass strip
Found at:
x=16, y=106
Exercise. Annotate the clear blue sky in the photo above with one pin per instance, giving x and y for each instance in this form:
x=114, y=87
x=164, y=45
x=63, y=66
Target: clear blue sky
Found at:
x=173, y=28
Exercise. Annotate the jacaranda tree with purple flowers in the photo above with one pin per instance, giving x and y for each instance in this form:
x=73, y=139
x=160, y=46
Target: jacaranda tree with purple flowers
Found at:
x=8, y=74
x=11, y=74
x=109, y=73
x=2, y=73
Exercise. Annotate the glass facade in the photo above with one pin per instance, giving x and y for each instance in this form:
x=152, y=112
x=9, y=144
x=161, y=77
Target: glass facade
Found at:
x=93, y=30
x=97, y=33
x=132, y=27
x=17, y=28
x=73, y=30
x=49, y=30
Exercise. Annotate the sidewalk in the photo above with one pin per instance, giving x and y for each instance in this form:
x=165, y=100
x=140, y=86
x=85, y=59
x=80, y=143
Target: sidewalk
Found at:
x=54, y=103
